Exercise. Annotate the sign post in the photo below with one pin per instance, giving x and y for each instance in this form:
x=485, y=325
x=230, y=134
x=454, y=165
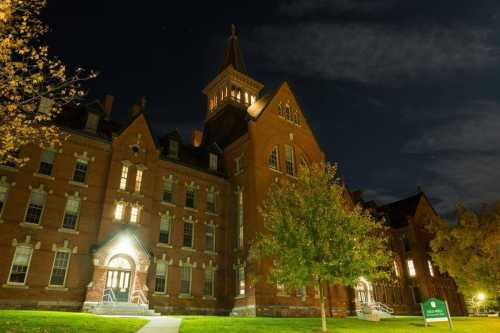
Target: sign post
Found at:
x=435, y=310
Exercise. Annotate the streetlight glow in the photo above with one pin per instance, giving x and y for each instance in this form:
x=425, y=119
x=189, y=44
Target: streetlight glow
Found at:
x=481, y=296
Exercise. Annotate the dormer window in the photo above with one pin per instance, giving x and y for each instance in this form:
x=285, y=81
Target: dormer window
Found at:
x=92, y=122
x=213, y=161
x=173, y=149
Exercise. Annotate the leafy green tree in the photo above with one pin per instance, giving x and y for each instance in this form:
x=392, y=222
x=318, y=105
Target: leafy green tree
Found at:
x=469, y=250
x=314, y=238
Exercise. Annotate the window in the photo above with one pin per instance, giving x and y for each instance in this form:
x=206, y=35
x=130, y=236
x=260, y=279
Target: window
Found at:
x=246, y=98
x=237, y=165
x=168, y=190
x=252, y=99
x=401, y=295
x=187, y=240
x=415, y=292
x=119, y=210
x=431, y=269
x=190, y=196
x=161, y=277
x=4, y=190
x=210, y=237
x=71, y=213
x=165, y=225
x=240, y=218
x=20, y=264
x=394, y=295
x=396, y=268
x=411, y=268
x=301, y=292
x=211, y=195
x=92, y=122
x=138, y=180
x=186, y=280
x=134, y=214
x=36, y=205
x=213, y=159
x=12, y=154
x=281, y=288
x=208, y=284
x=173, y=148
x=60, y=268
x=124, y=177
x=240, y=281
x=273, y=160
x=47, y=162
x=289, y=160
x=406, y=243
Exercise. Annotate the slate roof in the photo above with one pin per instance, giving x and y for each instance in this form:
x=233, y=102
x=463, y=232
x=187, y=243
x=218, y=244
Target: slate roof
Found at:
x=233, y=55
x=398, y=212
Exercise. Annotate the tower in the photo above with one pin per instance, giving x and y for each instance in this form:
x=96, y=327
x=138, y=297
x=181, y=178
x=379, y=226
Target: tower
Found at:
x=232, y=85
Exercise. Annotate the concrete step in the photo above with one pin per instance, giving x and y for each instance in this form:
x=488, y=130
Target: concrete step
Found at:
x=123, y=309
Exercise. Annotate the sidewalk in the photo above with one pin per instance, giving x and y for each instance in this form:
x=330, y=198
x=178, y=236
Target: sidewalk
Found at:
x=161, y=325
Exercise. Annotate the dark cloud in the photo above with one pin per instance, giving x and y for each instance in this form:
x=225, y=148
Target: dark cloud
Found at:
x=374, y=53
x=299, y=8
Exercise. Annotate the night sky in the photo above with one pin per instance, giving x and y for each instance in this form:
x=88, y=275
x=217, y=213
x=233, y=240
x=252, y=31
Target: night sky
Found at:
x=400, y=93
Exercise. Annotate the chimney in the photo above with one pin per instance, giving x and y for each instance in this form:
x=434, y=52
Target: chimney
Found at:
x=107, y=104
x=357, y=196
x=197, y=137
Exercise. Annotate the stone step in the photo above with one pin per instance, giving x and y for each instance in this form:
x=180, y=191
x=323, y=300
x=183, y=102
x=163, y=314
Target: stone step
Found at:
x=123, y=309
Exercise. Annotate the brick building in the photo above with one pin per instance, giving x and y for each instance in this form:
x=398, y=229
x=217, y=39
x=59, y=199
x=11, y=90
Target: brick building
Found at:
x=120, y=214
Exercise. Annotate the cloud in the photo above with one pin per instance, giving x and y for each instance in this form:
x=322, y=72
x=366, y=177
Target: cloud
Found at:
x=380, y=195
x=373, y=52
x=463, y=154
x=299, y=8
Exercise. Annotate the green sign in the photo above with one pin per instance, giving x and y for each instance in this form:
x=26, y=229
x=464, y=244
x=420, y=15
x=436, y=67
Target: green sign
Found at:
x=434, y=310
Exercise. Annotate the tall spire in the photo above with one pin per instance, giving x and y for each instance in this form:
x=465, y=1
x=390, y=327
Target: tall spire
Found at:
x=233, y=55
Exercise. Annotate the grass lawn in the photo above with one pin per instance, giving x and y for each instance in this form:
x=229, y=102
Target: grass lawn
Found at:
x=64, y=322
x=195, y=324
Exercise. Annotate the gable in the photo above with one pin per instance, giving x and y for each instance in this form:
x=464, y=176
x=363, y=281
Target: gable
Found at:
x=138, y=131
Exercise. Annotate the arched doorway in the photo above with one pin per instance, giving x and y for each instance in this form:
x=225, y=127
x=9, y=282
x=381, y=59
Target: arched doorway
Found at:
x=363, y=293
x=118, y=279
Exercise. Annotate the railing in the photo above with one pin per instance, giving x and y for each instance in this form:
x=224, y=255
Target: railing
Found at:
x=109, y=296
x=138, y=297
x=379, y=306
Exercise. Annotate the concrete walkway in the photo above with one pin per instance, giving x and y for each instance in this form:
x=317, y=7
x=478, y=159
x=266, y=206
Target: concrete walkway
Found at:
x=158, y=324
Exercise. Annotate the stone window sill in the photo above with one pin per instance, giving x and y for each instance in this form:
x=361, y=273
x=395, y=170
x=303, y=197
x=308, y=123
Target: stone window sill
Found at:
x=166, y=203
x=209, y=298
x=191, y=209
x=9, y=168
x=138, y=194
x=240, y=297
x=72, y=182
x=283, y=295
x=40, y=175
x=190, y=249
x=56, y=288
x=15, y=286
x=185, y=296
x=211, y=214
x=212, y=253
x=274, y=170
x=30, y=225
x=168, y=246
x=122, y=191
x=156, y=294
x=69, y=231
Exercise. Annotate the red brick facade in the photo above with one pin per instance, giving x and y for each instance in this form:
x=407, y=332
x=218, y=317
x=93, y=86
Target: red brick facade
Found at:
x=158, y=219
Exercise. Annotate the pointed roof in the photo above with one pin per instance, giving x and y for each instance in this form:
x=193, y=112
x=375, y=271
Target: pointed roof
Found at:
x=400, y=211
x=233, y=55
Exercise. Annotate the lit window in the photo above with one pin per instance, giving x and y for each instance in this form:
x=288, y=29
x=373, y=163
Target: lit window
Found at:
x=240, y=217
x=237, y=165
x=190, y=197
x=273, y=160
x=281, y=288
x=161, y=277
x=289, y=160
x=396, y=268
x=134, y=214
x=47, y=162
x=119, y=211
x=138, y=180
x=252, y=99
x=20, y=264
x=60, y=268
x=124, y=177
x=187, y=239
x=211, y=195
x=4, y=190
x=213, y=161
x=36, y=205
x=71, y=212
x=168, y=190
x=80, y=173
x=186, y=280
x=210, y=237
x=246, y=98
x=165, y=226
x=240, y=279
x=173, y=150
x=411, y=267
x=208, y=285
x=431, y=269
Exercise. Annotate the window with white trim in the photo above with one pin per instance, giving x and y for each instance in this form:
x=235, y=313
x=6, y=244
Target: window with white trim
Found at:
x=71, y=212
x=134, y=214
x=20, y=265
x=273, y=160
x=168, y=190
x=431, y=269
x=240, y=218
x=165, y=228
x=289, y=160
x=4, y=191
x=60, y=268
x=138, y=180
x=161, y=277
x=237, y=164
x=119, y=211
x=396, y=268
x=186, y=275
x=47, y=162
x=173, y=149
x=124, y=177
x=213, y=161
x=36, y=205
x=190, y=196
x=80, y=173
x=188, y=232
x=210, y=237
x=211, y=200
x=240, y=281
x=411, y=268
x=208, y=282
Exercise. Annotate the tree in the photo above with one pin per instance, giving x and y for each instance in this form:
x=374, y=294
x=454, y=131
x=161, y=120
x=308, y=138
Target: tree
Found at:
x=314, y=238
x=469, y=251
x=33, y=86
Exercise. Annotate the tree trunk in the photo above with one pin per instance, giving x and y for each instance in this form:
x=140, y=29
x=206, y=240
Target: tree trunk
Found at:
x=322, y=302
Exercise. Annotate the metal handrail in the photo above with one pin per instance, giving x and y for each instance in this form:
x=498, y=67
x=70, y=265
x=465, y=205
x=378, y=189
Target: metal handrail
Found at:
x=382, y=307
x=139, y=295
x=110, y=295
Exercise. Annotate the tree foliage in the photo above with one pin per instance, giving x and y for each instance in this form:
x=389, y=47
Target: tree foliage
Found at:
x=313, y=237
x=33, y=85
x=469, y=251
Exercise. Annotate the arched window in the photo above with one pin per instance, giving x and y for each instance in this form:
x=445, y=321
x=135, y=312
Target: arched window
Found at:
x=120, y=262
